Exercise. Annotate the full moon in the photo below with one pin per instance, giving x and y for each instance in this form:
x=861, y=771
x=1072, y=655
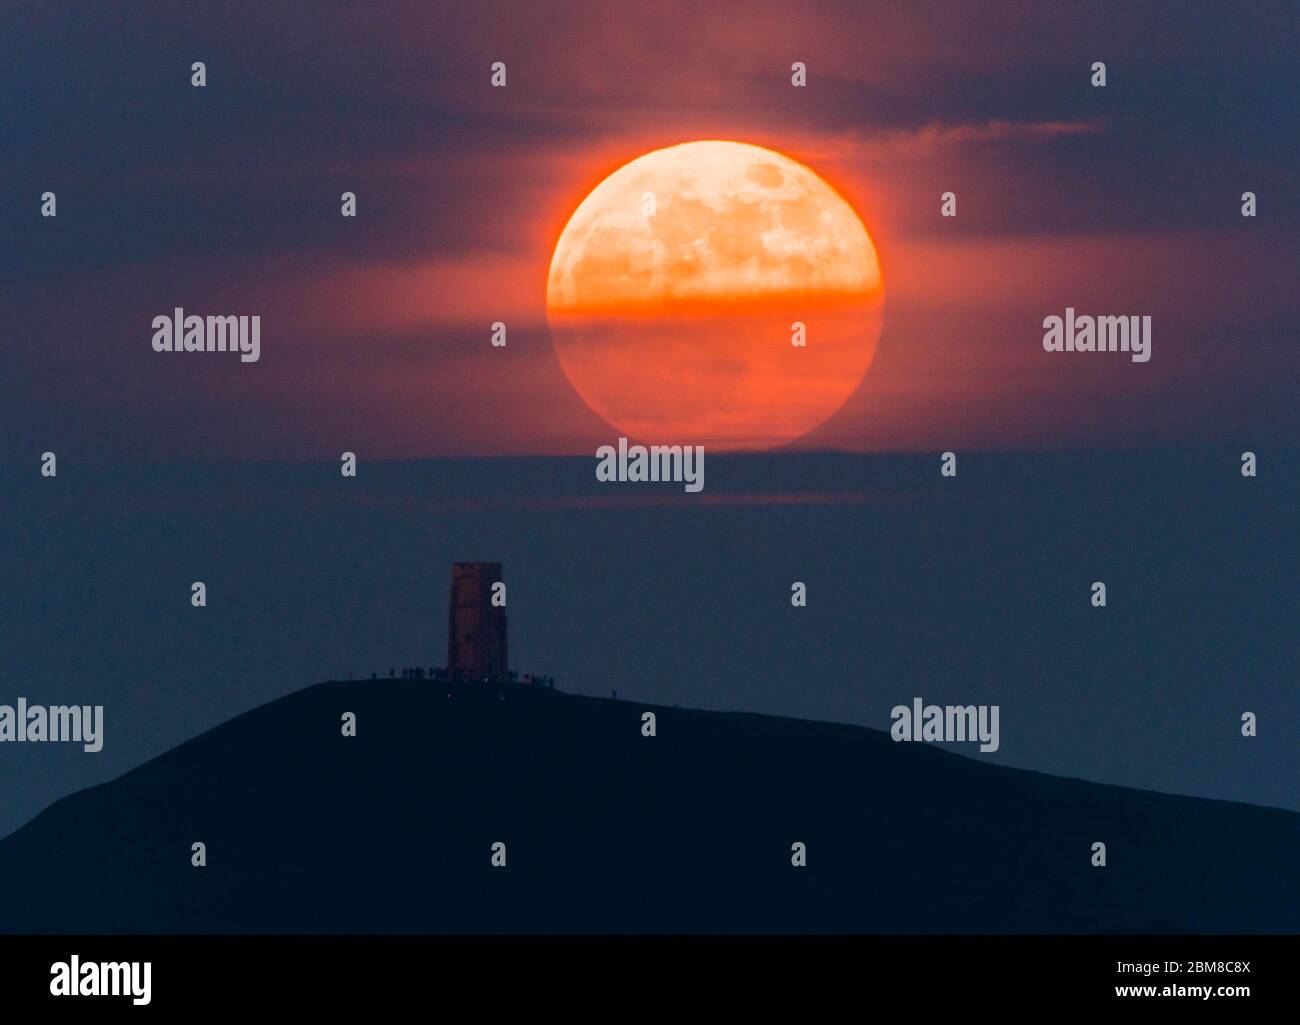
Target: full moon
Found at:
x=714, y=293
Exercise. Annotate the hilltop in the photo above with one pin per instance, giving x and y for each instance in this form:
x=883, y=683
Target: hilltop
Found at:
x=610, y=831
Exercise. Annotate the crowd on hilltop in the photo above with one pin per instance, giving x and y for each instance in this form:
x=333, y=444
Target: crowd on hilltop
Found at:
x=444, y=675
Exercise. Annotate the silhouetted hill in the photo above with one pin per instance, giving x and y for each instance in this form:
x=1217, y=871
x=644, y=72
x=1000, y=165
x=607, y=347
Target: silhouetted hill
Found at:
x=606, y=830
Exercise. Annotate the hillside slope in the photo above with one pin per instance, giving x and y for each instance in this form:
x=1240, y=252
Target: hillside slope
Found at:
x=610, y=831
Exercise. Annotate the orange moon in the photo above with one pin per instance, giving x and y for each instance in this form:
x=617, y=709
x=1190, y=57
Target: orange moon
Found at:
x=680, y=286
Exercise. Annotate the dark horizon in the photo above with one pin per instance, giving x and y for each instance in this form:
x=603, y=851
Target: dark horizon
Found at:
x=970, y=589
x=264, y=795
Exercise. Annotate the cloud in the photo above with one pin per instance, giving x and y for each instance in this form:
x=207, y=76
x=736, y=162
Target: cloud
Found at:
x=936, y=136
x=226, y=199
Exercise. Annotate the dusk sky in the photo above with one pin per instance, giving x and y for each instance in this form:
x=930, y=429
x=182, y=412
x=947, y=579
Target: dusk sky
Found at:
x=1115, y=200
x=375, y=339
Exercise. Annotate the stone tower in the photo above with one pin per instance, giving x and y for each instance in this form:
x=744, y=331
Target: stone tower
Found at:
x=476, y=631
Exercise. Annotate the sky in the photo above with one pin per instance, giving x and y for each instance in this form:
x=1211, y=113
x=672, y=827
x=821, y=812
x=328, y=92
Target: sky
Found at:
x=375, y=339
x=1119, y=200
